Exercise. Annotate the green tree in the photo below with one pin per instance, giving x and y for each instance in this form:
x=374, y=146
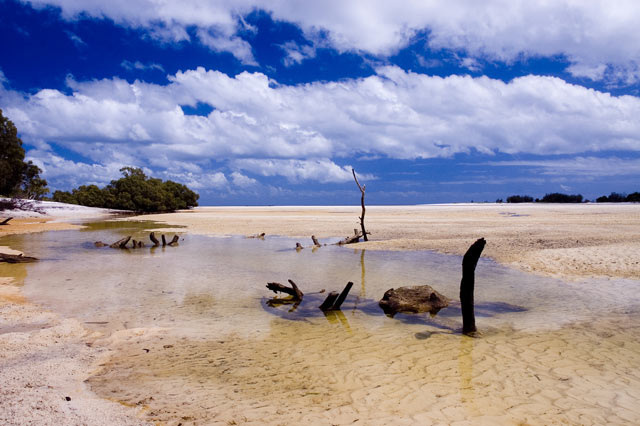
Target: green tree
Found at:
x=134, y=191
x=17, y=177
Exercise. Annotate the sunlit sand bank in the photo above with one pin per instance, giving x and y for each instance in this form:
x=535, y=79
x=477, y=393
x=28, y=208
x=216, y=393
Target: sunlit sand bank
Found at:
x=564, y=240
x=342, y=369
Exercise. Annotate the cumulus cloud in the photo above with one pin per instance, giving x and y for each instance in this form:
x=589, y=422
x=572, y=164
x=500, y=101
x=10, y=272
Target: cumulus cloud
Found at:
x=581, y=166
x=321, y=170
x=589, y=34
x=299, y=131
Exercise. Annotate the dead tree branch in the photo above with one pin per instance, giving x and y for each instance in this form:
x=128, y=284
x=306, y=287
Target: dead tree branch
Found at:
x=362, y=189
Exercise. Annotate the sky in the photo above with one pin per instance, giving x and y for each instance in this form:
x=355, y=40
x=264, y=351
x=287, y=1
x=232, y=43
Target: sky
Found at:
x=252, y=102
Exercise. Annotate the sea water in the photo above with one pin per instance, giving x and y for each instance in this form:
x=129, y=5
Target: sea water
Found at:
x=192, y=337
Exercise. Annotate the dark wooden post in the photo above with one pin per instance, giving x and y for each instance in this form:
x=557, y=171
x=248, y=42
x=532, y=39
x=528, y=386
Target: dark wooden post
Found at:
x=469, y=262
x=362, y=189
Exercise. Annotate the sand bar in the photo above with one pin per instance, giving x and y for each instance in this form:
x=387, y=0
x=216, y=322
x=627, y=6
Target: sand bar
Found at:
x=570, y=241
x=585, y=373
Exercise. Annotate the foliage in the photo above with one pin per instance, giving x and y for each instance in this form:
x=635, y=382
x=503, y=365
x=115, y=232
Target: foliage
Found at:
x=615, y=197
x=519, y=199
x=556, y=197
x=17, y=177
x=135, y=191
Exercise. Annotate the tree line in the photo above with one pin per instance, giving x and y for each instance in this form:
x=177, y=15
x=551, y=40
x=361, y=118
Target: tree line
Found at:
x=134, y=191
x=557, y=197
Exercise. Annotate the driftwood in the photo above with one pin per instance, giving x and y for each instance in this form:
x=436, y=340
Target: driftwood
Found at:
x=362, y=189
x=258, y=236
x=467, y=284
x=164, y=240
x=100, y=244
x=134, y=244
x=140, y=244
x=293, y=291
x=16, y=258
x=122, y=243
x=154, y=240
x=6, y=221
x=335, y=300
x=415, y=299
x=299, y=246
x=315, y=241
x=174, y=241
x=327, y=305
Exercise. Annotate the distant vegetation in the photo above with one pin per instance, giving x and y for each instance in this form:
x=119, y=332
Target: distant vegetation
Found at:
x=17, y=178
x=556, y=197
x=614, y=197
x=519, y=199
x=135, y=191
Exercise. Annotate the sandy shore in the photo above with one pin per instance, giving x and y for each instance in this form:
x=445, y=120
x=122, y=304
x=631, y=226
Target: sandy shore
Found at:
x=570, y=241
x=584, y=374
x=45, y=359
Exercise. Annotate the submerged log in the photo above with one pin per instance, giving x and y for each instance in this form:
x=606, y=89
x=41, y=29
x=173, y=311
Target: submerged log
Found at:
x=6, y=221
x=293, y=291
x=350, y=240
x=467, y=284
x=327, y=305
x=16, y=258
x=299, y=246
x=154, y=240
x=140, y=244
x=258, y=236
x=134, y=244
x=335, y=300
x=174, y=241
x=415, y=299
x=100, y=244
x=122, y=243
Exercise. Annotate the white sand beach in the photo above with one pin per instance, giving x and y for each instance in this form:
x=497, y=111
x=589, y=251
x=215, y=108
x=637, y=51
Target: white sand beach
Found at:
x=576, y=374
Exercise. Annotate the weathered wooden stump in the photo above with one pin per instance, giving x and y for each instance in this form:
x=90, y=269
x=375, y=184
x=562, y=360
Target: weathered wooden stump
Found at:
x=467, y=284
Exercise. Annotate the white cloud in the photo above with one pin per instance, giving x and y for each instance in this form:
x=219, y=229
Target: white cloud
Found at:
x=242, y=181
x=581, y=166
x=394, y=114
x=321, y=170
x=137, y=65
x=77, y=41
x=297, y=53
x=589, y=34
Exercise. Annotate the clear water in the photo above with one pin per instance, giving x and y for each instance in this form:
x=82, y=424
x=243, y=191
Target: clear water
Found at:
x=211, y=290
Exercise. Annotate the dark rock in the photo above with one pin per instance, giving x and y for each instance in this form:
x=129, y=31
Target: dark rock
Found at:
x=415, y=299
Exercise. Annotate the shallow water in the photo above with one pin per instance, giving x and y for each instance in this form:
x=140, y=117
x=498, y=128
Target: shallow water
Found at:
x=192, y=339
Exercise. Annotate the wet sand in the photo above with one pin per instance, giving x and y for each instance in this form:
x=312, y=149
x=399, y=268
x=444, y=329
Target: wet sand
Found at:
x=331, y=370
x=570, y=241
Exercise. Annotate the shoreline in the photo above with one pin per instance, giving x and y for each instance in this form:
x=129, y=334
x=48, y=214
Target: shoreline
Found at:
x=46, y=358
x=565, y=241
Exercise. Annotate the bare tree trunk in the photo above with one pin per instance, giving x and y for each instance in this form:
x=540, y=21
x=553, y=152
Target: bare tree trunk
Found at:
x=154, y=240
x=362, y=189
x=469, y=262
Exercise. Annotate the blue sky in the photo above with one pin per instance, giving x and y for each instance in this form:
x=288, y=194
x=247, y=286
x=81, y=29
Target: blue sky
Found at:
x=255, y=102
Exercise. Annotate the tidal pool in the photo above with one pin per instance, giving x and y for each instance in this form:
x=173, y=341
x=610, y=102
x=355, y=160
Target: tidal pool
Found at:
x=191, y=338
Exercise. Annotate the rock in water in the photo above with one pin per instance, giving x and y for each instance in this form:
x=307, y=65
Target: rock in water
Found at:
x=415, y=299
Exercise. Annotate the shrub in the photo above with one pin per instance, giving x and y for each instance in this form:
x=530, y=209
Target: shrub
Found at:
x=556, y=197
x=135, y=191
x=519, y=199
